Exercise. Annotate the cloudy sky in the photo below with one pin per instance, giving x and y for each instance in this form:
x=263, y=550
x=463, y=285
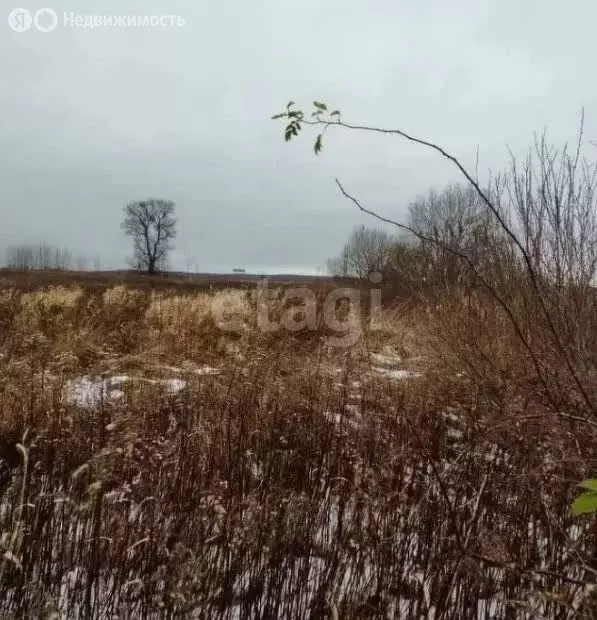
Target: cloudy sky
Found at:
x=93, y=118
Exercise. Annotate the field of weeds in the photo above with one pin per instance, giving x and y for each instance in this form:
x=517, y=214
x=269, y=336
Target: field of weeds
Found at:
x=156, y=465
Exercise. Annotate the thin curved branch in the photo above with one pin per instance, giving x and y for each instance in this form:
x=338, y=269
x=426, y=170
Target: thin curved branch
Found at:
x=503, y=224
x=472, y=267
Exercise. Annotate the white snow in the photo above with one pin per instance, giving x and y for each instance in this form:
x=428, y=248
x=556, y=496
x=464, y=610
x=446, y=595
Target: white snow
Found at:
x=385, y=360
x=173, y=385
x=455, y=433
x=334, y=418
x=206, y=370
x=397, y=374
x=88, y=391
x=351, y=417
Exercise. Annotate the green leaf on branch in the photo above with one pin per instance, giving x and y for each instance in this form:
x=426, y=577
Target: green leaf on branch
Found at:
x=585, y=504
x=292, y=130
x=335, y=113
x=590, y=484
x=320, y=105
x=290, y=103
x=318, y=144
x=275, y=117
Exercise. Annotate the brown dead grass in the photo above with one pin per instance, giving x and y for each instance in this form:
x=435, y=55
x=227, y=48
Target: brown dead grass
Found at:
x=298, y=482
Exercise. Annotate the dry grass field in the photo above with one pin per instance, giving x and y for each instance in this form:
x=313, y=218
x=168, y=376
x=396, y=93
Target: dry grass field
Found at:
x=155, y=465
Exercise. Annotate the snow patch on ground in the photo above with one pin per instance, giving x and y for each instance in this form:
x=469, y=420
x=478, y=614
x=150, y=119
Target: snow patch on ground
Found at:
x=390, y=373
x=173, y=385
x=351, y=417
x=385, y=360
x=206, y=370
x=91, y=391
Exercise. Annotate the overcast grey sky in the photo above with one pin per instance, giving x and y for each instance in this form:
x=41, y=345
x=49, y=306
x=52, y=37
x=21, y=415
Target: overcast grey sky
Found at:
x=93, y=118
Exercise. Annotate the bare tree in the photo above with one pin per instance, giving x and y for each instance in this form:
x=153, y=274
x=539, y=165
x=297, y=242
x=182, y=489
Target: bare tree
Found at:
x=338, y=266
x=20, y=257
x=447, y=216
x=152, y=227
x=366, y=251
x=450, y=222
x=81, y=262
x=39, y=256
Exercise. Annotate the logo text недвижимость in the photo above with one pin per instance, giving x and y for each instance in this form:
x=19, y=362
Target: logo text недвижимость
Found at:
x=46, y=20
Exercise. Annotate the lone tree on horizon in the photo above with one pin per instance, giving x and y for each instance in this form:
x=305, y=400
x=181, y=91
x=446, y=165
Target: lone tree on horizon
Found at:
x=152, y=226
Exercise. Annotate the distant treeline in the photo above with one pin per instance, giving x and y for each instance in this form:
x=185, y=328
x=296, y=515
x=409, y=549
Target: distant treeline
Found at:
x=46, y=256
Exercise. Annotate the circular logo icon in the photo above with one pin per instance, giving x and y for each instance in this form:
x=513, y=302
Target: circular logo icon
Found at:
x=45, y=20
x=20, y=20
